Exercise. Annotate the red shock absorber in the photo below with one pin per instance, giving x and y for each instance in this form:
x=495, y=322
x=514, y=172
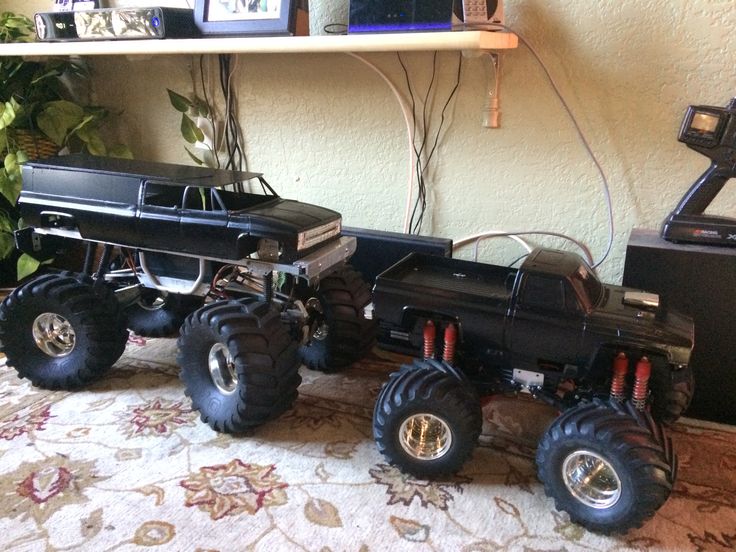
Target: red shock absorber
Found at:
x=448, y=354
x=430, y=332
x=618, y=383
x=641, y=384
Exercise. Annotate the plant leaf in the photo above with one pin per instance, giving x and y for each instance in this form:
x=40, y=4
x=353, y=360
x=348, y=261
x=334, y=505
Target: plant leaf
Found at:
x=6, y=223
x=9, y=186
x=93, y=141
x=27, y=265
x=6, y=244
x=87, y=119
x=200, y=107
x=120, y=151
x=190, y=131
x=58, y=118
x=7, y=116
x=11, y=163
x=179, y=102
x=196, y=159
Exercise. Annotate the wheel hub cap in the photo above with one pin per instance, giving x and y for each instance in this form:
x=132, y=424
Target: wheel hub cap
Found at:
x=591, y=479
x=54, y=334
x=425, y=436
x=222, y=369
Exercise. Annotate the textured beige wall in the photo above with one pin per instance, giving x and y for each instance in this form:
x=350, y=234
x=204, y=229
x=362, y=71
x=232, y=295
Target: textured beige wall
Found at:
x=325, y=129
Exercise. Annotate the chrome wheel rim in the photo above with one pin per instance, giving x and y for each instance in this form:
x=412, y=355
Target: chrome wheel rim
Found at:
x=222, y=369
x=424, y=436
x=591, y=479
x=54, y=335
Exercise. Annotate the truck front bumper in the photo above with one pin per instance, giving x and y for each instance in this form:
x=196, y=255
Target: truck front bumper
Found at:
x=319, y=263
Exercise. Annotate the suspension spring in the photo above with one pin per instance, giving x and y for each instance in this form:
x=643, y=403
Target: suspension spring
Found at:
x=618, y=382
x=448, y=355
x=430, y=333
x=641, y=383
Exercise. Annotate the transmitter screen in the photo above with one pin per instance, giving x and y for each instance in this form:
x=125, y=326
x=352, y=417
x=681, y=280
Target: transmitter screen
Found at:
x=704, y=124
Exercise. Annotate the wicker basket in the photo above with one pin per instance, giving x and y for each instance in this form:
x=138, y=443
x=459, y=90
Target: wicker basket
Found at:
x=35, y=145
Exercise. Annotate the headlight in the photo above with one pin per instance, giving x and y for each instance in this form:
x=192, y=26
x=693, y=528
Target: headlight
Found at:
x=312, y=237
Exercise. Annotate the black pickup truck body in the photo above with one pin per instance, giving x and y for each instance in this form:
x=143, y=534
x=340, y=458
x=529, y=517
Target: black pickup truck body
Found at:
x=169, y=208
x=551, y=319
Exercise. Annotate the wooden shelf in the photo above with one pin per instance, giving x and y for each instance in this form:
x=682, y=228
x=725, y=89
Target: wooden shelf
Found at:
x=388, y=42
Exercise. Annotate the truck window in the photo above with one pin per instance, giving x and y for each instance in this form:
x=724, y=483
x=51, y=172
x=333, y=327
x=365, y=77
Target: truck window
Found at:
x=590, y=283
x=572, y=302
x=162, y=195
x=542, y=292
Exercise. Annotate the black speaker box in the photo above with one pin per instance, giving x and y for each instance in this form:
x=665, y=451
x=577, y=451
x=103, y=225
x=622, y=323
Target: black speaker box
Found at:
x=698, y=280
x=378, y=250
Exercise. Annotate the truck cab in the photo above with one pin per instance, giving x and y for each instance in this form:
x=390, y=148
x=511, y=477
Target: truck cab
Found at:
x=554, y=293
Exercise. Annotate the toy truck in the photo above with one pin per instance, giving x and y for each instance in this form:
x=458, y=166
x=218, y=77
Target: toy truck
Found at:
x=172, y=236
x=611, y=359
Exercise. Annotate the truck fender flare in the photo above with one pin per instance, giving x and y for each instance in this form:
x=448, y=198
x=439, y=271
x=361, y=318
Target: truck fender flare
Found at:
x=445, y=368
x=633, y=352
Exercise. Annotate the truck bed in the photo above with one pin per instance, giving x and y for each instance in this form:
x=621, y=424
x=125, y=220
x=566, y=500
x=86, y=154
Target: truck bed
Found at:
x=432, y=274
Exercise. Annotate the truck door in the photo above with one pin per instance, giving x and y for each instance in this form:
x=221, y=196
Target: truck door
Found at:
x=158, y=215
x=548, y=322
x=204, y=224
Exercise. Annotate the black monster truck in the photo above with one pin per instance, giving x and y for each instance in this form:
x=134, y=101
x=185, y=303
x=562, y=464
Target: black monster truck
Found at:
x=184, y=249
x=610, y=359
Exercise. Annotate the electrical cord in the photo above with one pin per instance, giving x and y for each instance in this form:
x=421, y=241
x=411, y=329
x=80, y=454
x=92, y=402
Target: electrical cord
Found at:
x=502, y=234
x=512, y=263
x=409, y=131
x=581, y=136
x=211, y=114
x=417, y=152
x=420, y=206
x=415, y=165
x=236, y=158
x=435, y=143
x=514, y=237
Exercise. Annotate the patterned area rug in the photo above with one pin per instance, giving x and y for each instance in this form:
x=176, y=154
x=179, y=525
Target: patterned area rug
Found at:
x=127, y=464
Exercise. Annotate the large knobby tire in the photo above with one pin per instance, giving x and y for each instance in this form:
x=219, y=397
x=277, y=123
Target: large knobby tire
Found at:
x=608, y=466
x=342, y=334
x=239, y=364
x=671, y=393
x=160, y=314
x=61, y=333
x=426, y=421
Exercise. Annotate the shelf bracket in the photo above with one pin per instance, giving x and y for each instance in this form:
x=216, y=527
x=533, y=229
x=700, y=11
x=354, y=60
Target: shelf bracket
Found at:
x=491, y=108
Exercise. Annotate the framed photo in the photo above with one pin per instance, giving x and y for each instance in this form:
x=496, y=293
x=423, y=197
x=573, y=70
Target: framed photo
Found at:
x=75, y=5
x=245, y=17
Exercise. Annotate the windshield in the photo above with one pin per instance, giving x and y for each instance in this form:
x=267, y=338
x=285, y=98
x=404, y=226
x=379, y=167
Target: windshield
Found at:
x=591, y=284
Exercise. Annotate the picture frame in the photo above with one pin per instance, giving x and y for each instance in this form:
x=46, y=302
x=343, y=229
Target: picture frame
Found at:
x=245, y=17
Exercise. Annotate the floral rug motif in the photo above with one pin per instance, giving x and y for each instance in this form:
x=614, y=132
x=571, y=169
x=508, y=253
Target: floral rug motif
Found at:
x=126, y=464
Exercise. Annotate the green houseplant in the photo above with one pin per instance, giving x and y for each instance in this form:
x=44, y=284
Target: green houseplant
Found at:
x=39, y=118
